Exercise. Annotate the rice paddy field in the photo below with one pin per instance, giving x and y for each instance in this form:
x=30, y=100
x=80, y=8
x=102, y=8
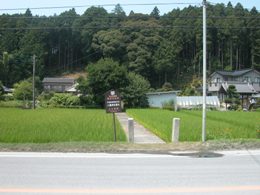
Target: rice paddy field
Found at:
x=57, y=125
x=220, y=125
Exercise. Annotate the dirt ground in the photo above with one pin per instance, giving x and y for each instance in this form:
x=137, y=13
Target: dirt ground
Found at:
x=131, y=148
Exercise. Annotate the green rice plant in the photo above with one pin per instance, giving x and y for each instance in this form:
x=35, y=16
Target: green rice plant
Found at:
x=219, y=125
x=57, y=125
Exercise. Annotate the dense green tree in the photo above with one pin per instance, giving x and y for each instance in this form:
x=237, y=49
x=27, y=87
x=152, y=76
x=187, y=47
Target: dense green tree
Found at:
x=105, y=75
x=232, y=97
x=23, y=91
x=134, y=95
x=165, y=48
x=155, y=13
x=5, y=67
x=110, y=44
x=118, y=11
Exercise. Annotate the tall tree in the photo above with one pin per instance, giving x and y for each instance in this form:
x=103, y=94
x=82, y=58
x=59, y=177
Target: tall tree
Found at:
x=155, y=13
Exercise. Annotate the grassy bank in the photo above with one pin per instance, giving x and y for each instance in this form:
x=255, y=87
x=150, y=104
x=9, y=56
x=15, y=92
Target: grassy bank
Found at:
x=220, y=125
x=57, y=125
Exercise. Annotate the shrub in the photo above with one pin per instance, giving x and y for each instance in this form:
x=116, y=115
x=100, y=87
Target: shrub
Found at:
x=86, y=100
x=23, y=90
x=1, y=91
x=168, y=105
x=45, y=96
x=63, y=99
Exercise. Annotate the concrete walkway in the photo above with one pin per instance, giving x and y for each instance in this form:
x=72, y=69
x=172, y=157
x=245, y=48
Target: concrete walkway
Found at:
x=141, y=135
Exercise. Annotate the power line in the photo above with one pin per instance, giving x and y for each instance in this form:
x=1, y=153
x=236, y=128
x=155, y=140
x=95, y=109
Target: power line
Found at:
x=101, y=5
x=129, y=17
x=122, y=27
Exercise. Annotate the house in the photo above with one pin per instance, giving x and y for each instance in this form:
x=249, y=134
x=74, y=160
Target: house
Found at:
x=247, y=83
x=157, y=99
x=59, y=84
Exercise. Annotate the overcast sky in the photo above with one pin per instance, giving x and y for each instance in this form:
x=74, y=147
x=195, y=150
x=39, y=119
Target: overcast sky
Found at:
x=9, y=4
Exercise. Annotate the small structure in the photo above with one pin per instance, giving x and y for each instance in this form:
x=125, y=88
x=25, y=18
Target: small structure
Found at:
x=59, y=84
x=8, y=90
x=157, y=99
x=189, y=102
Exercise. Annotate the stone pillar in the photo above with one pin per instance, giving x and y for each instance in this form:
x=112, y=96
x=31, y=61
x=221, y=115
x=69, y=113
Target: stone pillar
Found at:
x=175, y=129
x=131, y=130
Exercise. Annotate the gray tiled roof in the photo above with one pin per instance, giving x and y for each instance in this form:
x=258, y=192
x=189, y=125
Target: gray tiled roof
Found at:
x=58, y=80
x=234, y=73
x=241, y=87
x=256, y=87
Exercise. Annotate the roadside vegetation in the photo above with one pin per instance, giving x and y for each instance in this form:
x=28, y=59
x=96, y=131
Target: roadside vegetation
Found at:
x=57, y=125
x=220, y=125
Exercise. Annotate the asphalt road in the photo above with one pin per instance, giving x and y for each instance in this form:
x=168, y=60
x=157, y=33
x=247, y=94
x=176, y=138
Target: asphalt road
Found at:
x=179, y=173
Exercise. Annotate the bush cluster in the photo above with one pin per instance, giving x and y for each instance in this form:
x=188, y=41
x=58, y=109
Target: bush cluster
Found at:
x=63, y=99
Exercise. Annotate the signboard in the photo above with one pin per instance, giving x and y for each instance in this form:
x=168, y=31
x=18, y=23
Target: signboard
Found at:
x=113, y=101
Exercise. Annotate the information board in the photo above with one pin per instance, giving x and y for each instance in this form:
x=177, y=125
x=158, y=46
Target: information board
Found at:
x=113, y=101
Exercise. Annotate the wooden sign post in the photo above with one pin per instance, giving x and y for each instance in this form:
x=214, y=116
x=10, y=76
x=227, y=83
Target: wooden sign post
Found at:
x=113, y=105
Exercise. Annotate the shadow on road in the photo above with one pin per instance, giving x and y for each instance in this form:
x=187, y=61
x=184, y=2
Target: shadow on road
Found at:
x=198, y=154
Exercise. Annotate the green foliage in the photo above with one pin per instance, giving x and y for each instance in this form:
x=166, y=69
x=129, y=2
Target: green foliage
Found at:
x=134, y=95
x=155, y=13
x=193, y=88
x=109, y=43
x=168, y=105
x=220, y=125
x=86, y=97
x=167, y=87
x=232, y=98
x=83, y=86
x=144, y=43
x=23, y=90
x=1, y=91
x=57, y=125
x=46, y=96
x=64, y=100
x=11, y=104
x=105, y=75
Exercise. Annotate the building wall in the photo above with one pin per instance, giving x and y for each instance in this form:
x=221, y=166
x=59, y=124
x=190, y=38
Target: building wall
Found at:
x=56, y=87
x=157, y=100
x=250, y=77
x=214, y=78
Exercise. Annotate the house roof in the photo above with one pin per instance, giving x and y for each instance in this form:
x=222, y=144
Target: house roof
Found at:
x=234, y=73
x=241, y=88
x=256, y=87
x=58, y=80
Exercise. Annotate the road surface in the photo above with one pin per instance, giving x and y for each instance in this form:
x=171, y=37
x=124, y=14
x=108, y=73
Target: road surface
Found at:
x=235, y=173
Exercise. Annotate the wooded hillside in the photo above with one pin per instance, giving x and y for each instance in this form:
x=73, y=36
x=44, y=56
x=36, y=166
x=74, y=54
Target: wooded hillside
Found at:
x=163, y=49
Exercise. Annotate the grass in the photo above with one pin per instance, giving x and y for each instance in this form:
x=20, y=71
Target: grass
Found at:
x=57, y=125
x=220, y=125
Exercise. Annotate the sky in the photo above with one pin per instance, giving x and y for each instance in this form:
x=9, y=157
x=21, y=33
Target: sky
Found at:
x=146, y=9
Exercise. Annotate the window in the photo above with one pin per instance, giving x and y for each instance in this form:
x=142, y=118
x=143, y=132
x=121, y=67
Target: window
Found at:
x=246, y=79
x=218, y=80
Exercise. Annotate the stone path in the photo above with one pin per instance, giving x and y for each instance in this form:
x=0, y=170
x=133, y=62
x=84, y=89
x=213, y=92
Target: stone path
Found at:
x=141, y=134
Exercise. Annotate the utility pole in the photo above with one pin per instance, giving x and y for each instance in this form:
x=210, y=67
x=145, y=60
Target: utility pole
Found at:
x=33, y=82
x=204, y=71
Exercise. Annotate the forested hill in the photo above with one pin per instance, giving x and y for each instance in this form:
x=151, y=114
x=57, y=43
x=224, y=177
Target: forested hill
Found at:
x=161, y=48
